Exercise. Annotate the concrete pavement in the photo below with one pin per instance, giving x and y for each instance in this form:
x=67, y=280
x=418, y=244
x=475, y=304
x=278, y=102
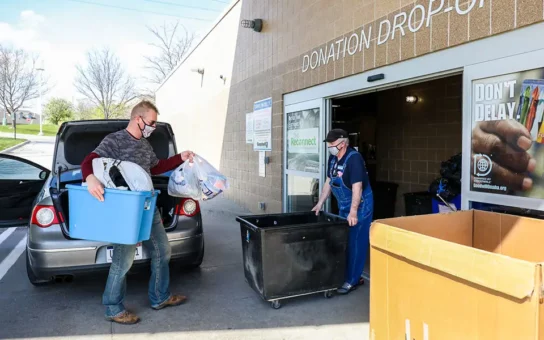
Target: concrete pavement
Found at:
x=221, y=304
x=39, y=151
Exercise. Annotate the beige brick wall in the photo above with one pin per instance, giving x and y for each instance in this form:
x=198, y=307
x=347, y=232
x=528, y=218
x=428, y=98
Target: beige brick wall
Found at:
x=412, y=144
x=270, y=64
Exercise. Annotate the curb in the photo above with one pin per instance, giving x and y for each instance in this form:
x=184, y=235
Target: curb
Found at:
x=15, y=147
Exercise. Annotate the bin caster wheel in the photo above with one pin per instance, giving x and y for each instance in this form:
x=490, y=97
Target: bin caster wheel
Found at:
x=276, y=304
x=328, y=294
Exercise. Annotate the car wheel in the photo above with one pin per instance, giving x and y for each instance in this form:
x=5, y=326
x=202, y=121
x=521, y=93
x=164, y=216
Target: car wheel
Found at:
x=32, y=277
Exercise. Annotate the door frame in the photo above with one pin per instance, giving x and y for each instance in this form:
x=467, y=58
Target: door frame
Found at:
x=24, y=160
x=307, y=105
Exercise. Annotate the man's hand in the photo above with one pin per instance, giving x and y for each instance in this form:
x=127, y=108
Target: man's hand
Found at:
x=317, y=208
x=187, y=155
x=95, y=187
x=352, y=219
x=506, y=142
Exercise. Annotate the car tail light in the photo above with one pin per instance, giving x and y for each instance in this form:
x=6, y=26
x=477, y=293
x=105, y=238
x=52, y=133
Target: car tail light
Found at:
x=188, y=207
x=44, y=216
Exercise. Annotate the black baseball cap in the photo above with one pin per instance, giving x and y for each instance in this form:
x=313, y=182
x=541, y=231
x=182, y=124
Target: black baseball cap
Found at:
x=335, y=134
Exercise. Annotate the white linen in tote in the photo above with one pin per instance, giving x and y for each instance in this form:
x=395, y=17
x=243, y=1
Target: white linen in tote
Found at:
x=135, y=176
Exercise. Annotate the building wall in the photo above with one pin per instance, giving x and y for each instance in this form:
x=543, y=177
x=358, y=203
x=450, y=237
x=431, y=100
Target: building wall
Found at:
x=270, y=63
x=196, y=105
x=413, y=139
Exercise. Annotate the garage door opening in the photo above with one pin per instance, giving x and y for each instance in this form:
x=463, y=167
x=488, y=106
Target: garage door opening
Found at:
x=404, y=134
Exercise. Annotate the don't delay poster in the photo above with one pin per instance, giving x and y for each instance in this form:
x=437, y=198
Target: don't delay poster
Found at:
x=507, y=139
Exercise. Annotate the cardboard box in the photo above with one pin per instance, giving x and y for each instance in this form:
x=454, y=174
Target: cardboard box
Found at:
x=459, y=276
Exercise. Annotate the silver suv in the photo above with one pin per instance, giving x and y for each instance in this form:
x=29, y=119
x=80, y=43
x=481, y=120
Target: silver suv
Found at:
x=35, y=197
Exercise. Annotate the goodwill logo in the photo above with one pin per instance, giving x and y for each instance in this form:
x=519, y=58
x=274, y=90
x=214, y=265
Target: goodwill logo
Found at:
x=482, y=165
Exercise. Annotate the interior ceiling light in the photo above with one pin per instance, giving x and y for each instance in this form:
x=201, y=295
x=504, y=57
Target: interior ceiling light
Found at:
x=256, y=24
x=411, y=99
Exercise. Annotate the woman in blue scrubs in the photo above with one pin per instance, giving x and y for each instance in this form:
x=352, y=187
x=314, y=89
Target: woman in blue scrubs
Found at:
x=347, y=179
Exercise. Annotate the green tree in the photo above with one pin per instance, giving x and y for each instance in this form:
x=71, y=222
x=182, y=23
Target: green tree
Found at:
x=59, y=110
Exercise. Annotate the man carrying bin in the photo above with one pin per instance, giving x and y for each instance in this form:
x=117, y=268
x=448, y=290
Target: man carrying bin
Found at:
x=347, y=178
x=130, y=145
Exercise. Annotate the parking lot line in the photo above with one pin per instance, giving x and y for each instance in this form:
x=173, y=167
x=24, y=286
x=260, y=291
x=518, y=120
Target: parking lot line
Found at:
x=6, y=234
x=13, y=256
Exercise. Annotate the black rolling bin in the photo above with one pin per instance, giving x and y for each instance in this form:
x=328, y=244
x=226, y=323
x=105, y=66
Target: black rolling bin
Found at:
x=293, y=254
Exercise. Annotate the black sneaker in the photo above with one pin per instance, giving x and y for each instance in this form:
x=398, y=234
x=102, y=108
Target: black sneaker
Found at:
x=346, y=289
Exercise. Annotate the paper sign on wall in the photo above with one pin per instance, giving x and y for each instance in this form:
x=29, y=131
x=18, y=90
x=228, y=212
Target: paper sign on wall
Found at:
x=249, y=128
x=262, y=125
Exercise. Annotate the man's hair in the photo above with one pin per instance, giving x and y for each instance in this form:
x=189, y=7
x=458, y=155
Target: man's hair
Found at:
x=345, y=140
x=141, y=108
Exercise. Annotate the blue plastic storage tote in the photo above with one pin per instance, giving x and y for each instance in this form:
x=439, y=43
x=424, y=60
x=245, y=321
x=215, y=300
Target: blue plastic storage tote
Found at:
x=125, y=217
x=439, y=206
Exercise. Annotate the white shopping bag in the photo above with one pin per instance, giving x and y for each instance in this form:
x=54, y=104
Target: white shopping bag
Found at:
x=198, y=180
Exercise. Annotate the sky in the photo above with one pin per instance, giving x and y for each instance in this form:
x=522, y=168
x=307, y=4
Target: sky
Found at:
x=62, y=31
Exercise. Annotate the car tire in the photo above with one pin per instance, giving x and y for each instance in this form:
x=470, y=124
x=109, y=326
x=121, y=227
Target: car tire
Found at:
x=34, y=280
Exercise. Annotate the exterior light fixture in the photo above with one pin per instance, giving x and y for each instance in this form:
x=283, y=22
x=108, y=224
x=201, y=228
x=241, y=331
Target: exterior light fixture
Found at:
x=256, y=24
x=201, y=72
x=411, y=99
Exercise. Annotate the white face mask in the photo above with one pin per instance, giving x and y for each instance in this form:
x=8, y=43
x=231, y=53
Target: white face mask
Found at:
x=334, y=150
x=147, y=130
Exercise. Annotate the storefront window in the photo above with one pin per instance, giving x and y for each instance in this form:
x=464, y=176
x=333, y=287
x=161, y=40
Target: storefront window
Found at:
x=302, y=193
x=303, y=140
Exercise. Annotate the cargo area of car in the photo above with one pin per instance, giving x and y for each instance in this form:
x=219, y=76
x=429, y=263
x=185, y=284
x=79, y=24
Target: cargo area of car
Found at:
x=166, y=204
x=78, y=139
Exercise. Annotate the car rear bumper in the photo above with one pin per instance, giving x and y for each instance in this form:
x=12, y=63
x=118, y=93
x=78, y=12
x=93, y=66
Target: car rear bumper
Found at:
x=45, y=263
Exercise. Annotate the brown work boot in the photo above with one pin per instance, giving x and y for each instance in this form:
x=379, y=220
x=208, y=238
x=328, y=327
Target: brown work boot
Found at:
x=125, y=318
x=174, y=300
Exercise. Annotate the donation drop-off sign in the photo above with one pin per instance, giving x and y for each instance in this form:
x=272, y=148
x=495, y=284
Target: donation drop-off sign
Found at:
x=508, y=134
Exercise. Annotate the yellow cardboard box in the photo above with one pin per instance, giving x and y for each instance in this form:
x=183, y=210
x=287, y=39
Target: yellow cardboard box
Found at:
x=458, y=276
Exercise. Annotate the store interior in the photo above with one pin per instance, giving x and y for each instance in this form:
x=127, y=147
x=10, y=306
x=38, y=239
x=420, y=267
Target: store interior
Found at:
x=404, y=134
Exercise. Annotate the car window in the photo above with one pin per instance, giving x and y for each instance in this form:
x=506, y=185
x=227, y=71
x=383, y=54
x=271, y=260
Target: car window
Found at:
x=11, y=169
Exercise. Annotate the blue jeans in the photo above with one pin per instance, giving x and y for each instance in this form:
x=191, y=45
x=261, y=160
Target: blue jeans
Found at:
x=359, y=237
x=123, y=255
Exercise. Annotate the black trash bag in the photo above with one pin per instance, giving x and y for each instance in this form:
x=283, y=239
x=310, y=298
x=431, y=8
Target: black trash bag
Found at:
x=451, y=169
x=447, y=189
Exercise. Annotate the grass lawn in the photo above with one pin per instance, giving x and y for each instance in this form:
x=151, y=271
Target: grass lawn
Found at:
x=34, y=129
x=9, y=142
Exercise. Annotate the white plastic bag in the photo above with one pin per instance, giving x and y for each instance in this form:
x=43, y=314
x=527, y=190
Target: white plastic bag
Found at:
x=198, y=180
x=183, y=182
x=212, y=182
